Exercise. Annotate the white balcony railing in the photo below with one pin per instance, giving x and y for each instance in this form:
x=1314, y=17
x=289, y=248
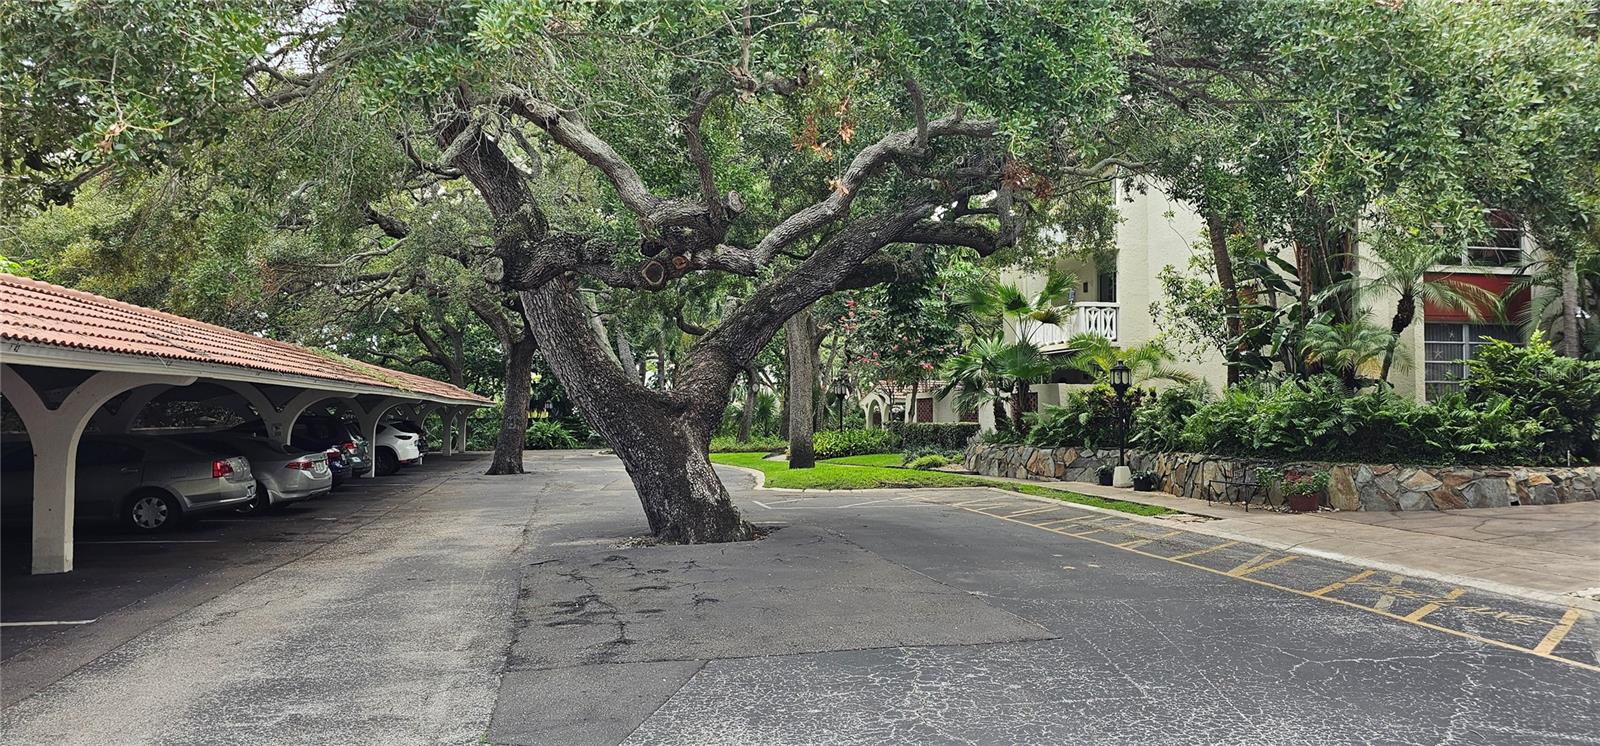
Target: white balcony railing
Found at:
x=1086, y=318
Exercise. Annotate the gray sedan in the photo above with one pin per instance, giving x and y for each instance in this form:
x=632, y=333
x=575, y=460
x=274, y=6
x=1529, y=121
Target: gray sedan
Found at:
x=145, y=483
x=283, y=474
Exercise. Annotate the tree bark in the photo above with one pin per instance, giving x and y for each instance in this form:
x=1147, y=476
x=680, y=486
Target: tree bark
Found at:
x=1019, y=407
x=1571, y=345
x=513, y=435
x=1217, y=231
x=747, y=417
x=1405, y=310
x=799, y=331
x=911, y=407
x=662, y=438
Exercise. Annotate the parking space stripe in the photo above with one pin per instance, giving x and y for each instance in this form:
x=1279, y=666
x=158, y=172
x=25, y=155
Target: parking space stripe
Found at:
x=64, y=623
x=1031, y=511
x=1331, y=587
x=1557, y=633
x=1240, y=572
x=1207, y=550
x=1543, y=650
x=1427, y=609
x=152, y=541
x=1063, y=521
x=1142, y=542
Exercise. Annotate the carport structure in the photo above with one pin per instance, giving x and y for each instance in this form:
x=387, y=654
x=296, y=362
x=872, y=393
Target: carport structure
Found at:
x=69, y=359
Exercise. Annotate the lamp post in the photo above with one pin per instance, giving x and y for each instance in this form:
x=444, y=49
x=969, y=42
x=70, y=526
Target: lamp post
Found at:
x=1121, y=381
x=841, y=386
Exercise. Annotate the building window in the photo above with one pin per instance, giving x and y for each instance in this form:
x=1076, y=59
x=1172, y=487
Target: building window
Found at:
x=1107, y=287
x=1502, y=246
x=1450, y=346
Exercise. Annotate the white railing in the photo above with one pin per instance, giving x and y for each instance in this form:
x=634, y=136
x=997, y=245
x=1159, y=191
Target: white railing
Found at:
x=1086, y=318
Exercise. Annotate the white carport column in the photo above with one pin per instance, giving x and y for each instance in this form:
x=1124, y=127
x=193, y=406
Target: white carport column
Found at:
x=461, y=429
x=447, y=436
x=280, y=422
x=54, y=435
x=369, y=419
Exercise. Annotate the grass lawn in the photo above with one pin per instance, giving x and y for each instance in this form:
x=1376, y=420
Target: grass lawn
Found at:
x=882, y=470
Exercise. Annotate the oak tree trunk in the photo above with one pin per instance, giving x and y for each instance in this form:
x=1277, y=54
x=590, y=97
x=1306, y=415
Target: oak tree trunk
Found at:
x=799, y=331
x=662, y=438
x=513, y=435
x=1217, y=232
x=747, y=417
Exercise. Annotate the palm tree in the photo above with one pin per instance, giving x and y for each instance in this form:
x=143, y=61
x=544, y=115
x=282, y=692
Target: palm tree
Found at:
x=992, y=370
x=1024, y=314
x=1095, y=355
x=1401, y=269
x=1346, y=348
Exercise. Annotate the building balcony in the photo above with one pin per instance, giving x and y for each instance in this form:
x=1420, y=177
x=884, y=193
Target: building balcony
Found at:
x=1086, y=318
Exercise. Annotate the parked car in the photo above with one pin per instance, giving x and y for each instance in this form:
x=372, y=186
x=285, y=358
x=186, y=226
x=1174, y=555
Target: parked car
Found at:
x=338, y=466
x=145, y=483
x=415, y=428
x=396, y=447
x=284, y=474
x=318, y=433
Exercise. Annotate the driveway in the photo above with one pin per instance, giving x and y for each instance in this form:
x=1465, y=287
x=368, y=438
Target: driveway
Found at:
x=527, y=610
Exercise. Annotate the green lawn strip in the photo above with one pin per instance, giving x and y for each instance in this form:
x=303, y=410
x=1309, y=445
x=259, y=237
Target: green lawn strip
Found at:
x=892, y=460
x=864, y=472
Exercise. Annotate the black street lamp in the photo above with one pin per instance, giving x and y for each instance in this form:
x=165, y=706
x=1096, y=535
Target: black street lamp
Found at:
x=1121, y=381
x=841, y=386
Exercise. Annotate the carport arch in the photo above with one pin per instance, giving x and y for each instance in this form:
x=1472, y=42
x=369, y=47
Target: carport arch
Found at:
x=369, y=417
x=54, y=434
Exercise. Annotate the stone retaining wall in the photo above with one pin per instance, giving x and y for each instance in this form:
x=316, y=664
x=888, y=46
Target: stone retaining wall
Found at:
x=1350, y=486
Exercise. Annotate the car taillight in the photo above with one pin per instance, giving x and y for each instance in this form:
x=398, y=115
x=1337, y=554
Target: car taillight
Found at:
x=220, y=468
x=349, y=445
x=303, y=464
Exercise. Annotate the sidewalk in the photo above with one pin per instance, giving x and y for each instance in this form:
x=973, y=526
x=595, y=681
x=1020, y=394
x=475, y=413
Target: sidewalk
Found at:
x=1545, y=552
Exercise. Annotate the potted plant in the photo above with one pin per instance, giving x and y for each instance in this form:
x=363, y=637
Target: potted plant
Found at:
x=1301, y=490
x=1145, y=481
x=1104, y=472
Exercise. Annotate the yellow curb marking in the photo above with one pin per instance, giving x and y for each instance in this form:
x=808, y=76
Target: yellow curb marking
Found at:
x=1331, y=587
x=1207, y=550
x=1571, y=613
x=1557, y=633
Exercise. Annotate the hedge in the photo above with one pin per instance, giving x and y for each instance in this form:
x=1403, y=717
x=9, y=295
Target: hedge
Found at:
x=949, y=436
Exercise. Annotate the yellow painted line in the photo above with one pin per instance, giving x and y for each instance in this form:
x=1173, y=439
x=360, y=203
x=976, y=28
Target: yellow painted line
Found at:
x=1557, y=633
x=979, y=500
x=1331, y=587
x=1240, y=572
x=1427, y=609
x=1031, y=511
x=1142, y=542
x=1063, y=521
x=1207, y=550
x=1386, y=601
x=1571, y=614
x=1247, y=563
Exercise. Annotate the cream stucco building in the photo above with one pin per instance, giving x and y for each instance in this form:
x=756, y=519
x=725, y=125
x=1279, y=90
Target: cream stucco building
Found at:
x=1155, y=232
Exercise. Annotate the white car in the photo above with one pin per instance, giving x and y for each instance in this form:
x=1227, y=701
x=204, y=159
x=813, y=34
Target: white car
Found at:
x=396, y=447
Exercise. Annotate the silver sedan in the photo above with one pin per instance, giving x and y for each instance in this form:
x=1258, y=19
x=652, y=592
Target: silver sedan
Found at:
x=283, y=474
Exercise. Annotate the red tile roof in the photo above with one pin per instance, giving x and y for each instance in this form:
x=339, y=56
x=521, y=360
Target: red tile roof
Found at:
x=42, y=313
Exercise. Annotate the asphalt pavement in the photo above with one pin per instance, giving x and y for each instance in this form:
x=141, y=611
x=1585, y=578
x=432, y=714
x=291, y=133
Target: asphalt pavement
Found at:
x=465, y=609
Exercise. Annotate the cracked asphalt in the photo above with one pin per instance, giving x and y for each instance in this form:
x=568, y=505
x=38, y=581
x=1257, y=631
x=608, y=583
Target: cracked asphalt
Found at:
x=526, y=610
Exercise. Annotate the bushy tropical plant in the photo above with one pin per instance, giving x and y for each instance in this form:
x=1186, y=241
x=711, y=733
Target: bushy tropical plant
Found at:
x=930, y=461
x=943, y=436
x=1561, y=394
x=1349, y=350
x=1158, y=421
x=1085, y=418
x=1095, y=356
x=853, y=442
x=912, y=454
x=546, y=435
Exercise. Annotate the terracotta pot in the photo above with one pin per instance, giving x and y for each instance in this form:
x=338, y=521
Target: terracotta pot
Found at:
x=1303, y=503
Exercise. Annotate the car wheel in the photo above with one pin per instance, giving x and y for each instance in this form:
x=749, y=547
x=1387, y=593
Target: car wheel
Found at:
x=149, y=512
x=388, y=463
x=257, y=505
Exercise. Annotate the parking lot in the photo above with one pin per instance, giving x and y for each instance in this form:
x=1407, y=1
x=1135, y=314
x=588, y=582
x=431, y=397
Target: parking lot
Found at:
x=125, y=584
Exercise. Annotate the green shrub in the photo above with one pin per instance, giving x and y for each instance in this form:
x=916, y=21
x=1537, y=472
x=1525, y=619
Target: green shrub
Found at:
x=729, y=444
x=546, y=435
x=858, y=442
x=1560, y=394
x=946, y=436
x=930, y=461
x=1084, y=419
x=1159, y=420
x=914, y=453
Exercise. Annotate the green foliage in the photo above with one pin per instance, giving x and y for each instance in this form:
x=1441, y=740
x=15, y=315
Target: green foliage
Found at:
x=1085, y=418
x=1560, y=394
x=930, y=461
x=853, y=442
x=945, y=436
x=912, y=454
x=546, y=435
x=1158, y=421
x=1319, y=419
x=730, y=444
x=1294, y=481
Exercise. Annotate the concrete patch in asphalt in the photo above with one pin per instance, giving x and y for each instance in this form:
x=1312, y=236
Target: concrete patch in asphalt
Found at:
x=584, y=704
